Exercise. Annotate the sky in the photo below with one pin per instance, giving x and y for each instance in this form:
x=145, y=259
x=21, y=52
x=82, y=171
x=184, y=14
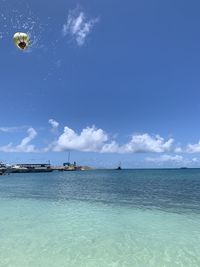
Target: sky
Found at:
x=109, y=81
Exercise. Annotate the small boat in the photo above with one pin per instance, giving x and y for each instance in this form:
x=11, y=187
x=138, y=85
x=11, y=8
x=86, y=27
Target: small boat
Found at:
x=119, y=168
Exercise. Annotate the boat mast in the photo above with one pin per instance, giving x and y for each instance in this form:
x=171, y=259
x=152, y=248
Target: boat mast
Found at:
x=69, y=156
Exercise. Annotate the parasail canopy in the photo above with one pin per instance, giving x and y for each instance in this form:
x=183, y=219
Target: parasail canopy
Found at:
x=21, y=40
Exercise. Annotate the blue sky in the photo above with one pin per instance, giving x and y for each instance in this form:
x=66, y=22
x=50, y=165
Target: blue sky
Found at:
x=107, y=80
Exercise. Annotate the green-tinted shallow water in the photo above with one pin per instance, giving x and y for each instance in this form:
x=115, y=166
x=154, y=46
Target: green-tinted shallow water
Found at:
x=36, y=231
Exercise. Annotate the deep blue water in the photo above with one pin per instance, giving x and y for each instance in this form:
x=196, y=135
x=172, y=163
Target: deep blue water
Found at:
x=170, y=190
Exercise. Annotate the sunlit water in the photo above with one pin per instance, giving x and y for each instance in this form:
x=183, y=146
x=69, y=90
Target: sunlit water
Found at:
x=101, y=218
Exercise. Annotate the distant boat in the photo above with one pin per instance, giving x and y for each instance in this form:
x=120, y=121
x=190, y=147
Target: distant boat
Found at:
x=119, y=168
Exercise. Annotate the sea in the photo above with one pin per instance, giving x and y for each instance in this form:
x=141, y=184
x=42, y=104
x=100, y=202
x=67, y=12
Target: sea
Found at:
x=101, y=218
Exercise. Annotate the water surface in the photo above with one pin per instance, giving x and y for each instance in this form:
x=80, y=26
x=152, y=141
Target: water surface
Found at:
x=101, y=218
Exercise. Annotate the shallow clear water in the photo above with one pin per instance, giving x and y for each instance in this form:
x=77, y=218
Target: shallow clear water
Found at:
x=101, y=218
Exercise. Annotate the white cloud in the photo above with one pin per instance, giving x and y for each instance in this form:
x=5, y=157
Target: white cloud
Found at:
x=195, y=160
x=178, y=150
x=112, y=147
x=96, y=140
x=193, y=148
x=90, y=139
x=11, y=129
x=141, y=143
x=78, y=26
x=24, y=145
x=166, y=158
x=173, y=160
x=54, y=124
x=7, y=129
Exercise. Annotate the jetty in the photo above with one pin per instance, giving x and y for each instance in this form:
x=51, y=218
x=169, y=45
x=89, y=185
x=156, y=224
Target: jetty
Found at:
x=40, y=167
x=25, y=168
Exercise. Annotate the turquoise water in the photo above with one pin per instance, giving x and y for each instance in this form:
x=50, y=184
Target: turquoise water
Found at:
x=100, y=218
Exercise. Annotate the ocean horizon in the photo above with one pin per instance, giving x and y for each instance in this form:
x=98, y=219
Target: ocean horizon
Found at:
x=101, y=218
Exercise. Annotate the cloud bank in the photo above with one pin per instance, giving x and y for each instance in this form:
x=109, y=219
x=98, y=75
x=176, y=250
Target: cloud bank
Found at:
x=172, y=160
x=165, y=158
x=92, y=139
